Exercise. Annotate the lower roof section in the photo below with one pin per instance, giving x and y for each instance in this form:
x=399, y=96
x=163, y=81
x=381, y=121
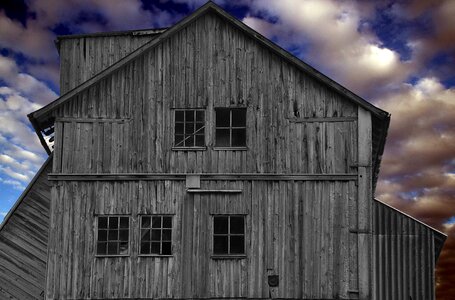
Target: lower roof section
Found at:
x=23, y=241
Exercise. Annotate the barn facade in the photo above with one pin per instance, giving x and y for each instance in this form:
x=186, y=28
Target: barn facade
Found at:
x=202, y=161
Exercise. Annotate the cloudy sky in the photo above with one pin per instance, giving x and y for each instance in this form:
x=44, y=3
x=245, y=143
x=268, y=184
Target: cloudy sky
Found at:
x=399, y=55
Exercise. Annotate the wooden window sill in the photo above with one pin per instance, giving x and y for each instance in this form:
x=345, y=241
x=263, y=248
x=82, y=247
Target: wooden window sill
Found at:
x=189, y=148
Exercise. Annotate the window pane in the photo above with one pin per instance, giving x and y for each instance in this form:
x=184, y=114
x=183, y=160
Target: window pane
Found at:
x=124, y=222
x=200, y=116
x=145, y=235
x=112, y=248
x=238, y=117
x=222, y=117
x=123, y=235
x=200, y=127
x=220, y=245
x=102, y=235
x=124, y=248
x=101, y=248
x=166, y=248
x=167, y=235
x=179, y=128
x=237, y=245
x=189, y=141
x=156, y=235
x=189, y=115
x=179, y=116
x=156, y=222
x=167, y=222
x=222, y=138
x=113, y=235
x=237, y=226
x=102, y=222
x=155, y=248
x=145, y=248
x=113, y=222
x=145, y=222
x=220, y=225
x=200, y=141
x=189, y=128
x=238, y=137
x=178, y=140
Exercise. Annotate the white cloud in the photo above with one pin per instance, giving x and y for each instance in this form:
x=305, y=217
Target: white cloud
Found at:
x=355, y=58
x=14, y=183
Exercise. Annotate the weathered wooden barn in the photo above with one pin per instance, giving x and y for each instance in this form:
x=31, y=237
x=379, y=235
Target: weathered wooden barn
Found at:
x=203, y=161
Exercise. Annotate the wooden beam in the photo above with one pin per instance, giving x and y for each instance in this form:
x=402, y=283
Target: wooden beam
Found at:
x=322, y=119
x=213, y=191
x=364, y=205
x=233, y=176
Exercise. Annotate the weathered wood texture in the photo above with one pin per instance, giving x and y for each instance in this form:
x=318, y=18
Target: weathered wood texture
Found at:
x=23, y=242
x=83, y=57
x=207, y=64
x=405, y=257
x=299, y=230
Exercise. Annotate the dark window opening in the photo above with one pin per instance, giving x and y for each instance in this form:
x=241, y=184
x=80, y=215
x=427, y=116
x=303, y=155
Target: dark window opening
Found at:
x=230, y=127
x=113, y=235
x=228, y=235
x=156, y=235
x=189, y=129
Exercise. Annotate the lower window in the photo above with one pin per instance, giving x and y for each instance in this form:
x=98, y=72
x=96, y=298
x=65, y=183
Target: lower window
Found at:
x=228, y=235
x=156, y=235
x=112, y=235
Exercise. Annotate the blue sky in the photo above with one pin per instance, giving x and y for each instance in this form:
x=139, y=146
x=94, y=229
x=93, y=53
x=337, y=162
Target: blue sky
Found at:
x=400, y=55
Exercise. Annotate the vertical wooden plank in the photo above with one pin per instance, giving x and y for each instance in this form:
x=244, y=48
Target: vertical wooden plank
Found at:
x=364, y=203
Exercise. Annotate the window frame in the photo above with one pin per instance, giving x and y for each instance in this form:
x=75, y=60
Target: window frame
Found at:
x=230, y=147
x=161, y=238
x=97, y=231
x=189, y=148
x=229, y=255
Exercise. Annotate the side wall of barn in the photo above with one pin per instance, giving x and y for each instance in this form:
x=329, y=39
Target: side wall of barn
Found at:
x=298, y=230
x=405, y=255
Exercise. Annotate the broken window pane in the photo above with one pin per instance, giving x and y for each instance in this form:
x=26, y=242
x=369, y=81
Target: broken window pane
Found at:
x=188, y=123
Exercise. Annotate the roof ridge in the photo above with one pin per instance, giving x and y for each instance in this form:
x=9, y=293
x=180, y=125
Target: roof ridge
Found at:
x=411, y=217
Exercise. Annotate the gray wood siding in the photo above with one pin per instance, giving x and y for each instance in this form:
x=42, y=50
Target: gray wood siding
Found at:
x=23, y=243
x=299, y=230
x=405, y=258
x=84, y=57
x=207, y=64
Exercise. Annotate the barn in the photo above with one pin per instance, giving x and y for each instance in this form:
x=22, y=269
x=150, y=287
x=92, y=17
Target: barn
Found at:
x=203, y=161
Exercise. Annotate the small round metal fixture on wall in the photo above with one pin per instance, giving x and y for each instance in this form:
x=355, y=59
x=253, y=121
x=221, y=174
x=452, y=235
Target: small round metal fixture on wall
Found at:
x=273, y=280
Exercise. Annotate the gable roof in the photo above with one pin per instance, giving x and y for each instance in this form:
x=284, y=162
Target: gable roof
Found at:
x=40, y=114
x=42, y=118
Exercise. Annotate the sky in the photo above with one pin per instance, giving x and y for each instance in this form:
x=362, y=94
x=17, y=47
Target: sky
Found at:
x=399, y=55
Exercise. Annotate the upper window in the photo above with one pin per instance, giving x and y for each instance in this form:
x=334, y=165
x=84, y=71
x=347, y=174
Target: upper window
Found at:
x=189, y=128
x=113, y=235
x=230, y=127
x=156, y=235
x=228, y=235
